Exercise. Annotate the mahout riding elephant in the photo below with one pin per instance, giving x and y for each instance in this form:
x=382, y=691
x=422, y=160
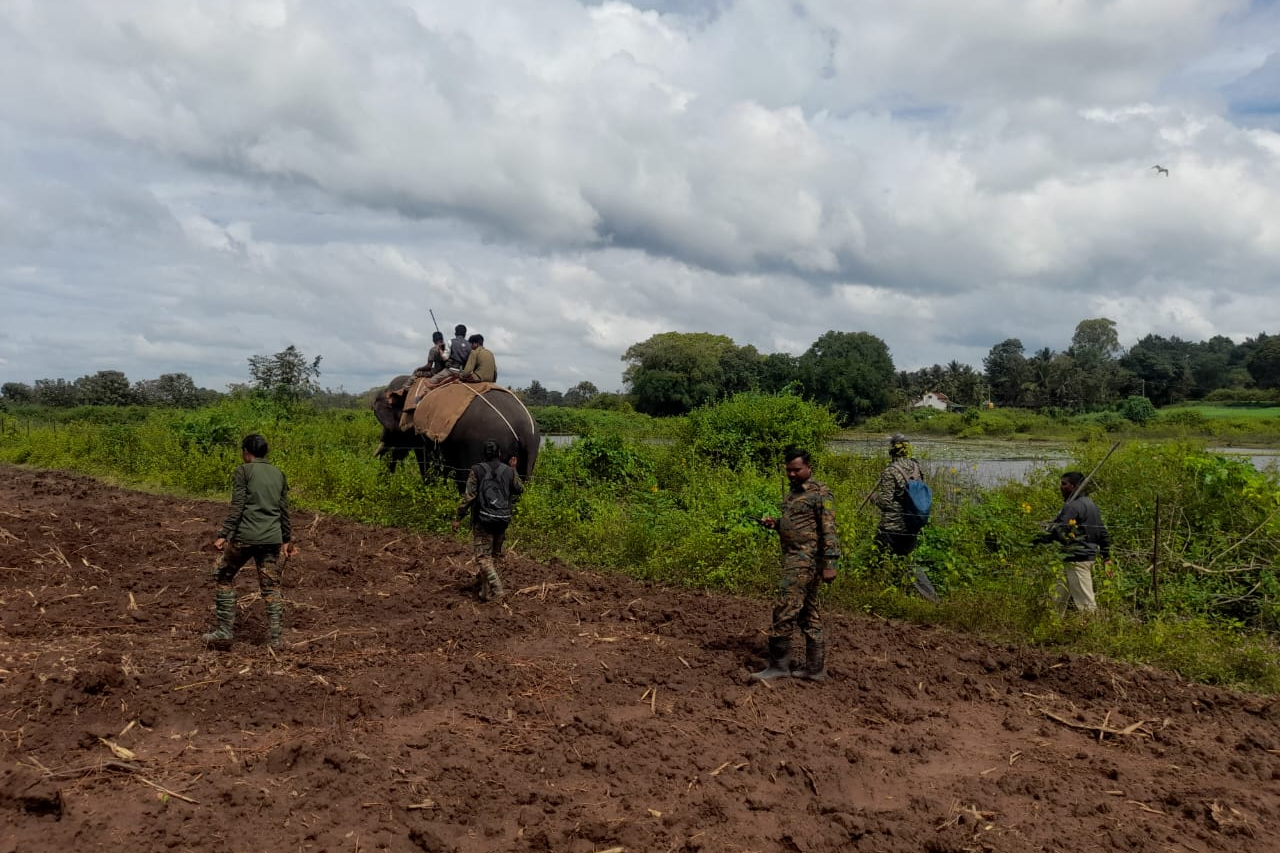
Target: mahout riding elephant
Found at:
x=483, y=411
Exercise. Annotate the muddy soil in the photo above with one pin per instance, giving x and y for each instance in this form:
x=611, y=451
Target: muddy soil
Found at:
x=586, y=712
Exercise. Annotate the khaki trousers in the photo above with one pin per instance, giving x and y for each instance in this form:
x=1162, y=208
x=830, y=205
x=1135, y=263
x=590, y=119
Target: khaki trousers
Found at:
x=1077, y=586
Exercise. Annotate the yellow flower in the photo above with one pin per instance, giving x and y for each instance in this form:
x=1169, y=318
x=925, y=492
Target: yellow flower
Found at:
x=1071, y=521
x=1026, y=508
x=953, y=469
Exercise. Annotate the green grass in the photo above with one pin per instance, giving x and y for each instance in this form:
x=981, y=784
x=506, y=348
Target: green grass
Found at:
x=680, y=511
x=1219, y=412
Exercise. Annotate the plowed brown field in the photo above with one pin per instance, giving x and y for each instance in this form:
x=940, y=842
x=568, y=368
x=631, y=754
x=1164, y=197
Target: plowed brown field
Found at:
x=586, y=713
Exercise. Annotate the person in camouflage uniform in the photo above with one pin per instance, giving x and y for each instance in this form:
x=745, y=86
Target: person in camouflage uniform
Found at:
x=256, y=528
x=895, y=539
x=487, y=538
x=810, y=548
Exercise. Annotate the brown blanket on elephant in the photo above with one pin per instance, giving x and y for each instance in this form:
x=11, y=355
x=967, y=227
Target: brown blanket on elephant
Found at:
x=440, y=409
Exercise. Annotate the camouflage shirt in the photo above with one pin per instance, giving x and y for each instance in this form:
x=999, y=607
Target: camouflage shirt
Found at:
x=891, y=488
x=808, y=521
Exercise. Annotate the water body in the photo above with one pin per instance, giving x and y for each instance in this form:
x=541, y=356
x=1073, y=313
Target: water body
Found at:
x=989, y=463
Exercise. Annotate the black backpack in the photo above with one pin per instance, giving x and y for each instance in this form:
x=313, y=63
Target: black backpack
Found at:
x=493, y=496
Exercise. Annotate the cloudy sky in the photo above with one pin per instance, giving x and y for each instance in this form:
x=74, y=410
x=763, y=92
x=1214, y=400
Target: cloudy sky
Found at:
x=187, y=183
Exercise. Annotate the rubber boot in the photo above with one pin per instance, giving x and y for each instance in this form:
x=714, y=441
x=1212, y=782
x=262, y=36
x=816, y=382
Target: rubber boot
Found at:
x=815, y=668
x=482, y=586
x=495, y=582
x=275, y=618
x=779, y=660
x=225, y=607
x=924, y=586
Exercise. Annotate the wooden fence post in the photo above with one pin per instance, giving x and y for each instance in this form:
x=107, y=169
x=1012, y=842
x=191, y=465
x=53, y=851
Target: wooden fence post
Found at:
x=1155, y=560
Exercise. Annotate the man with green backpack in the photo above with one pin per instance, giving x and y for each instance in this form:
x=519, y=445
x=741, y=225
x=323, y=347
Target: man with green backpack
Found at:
x=904, y=500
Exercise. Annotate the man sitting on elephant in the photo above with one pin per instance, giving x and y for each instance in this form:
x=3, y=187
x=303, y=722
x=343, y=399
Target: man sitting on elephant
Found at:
x=437, y=360
x=480, y=366
x=459, y=349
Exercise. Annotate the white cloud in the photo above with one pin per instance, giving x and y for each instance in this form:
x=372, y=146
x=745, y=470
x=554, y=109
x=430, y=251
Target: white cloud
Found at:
x=186, y=185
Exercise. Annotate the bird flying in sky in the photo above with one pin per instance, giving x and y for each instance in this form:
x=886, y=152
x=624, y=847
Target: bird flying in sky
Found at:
x=1161, y=170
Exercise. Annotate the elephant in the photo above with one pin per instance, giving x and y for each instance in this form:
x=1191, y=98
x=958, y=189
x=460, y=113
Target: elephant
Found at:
x=493, y=412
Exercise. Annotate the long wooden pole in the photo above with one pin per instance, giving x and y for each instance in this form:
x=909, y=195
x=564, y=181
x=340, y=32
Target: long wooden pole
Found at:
x=1080, y=488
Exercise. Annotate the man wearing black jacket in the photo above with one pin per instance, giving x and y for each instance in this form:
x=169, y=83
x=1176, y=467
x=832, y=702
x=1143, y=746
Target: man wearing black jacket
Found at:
x=1082, y=539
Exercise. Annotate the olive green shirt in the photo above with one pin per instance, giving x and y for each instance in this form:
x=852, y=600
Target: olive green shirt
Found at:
x=480, y=366
x=259, y=512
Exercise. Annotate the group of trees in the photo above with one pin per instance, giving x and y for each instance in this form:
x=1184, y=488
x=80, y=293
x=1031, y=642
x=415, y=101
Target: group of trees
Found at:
x=285, y=377
x=110, y=388
x=672, y=373
x=1095, y=370
x=853, y=373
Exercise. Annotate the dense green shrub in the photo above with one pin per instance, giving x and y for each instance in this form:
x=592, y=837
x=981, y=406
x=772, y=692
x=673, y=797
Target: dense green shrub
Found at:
x=751, y=430
x=683, y=511
x=1138, y=410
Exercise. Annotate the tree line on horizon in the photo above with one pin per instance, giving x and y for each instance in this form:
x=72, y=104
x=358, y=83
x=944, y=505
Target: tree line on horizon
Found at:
x=853, y=373
x=672, y=373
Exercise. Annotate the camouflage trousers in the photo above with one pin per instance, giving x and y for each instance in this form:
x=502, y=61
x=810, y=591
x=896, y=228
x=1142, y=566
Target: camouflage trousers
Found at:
x=797, y=601
x=894, y=548
x=265, y=557
x=486, y=546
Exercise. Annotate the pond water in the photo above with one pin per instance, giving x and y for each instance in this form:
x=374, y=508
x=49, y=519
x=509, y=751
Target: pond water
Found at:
x=989, y=463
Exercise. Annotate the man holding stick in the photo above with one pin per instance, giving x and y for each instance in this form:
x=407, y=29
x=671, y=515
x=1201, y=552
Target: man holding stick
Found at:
x=1082, y=537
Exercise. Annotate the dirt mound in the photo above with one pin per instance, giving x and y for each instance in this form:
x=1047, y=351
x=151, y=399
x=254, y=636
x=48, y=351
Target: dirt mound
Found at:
x=586, y=713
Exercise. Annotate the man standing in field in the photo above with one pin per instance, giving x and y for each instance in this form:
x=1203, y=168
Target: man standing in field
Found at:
x=491, y=491
x=1082, y=538
x=256, y=528
x=896, y=536
x=810, y=548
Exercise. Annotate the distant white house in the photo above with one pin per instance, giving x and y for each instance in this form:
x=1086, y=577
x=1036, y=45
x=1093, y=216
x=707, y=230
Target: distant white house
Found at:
x=932, y=400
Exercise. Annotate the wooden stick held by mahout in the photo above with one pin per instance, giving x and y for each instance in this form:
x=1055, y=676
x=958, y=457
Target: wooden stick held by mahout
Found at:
x=1080, y=487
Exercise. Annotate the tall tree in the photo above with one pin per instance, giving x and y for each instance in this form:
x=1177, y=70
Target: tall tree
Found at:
x=778, y=371
x=675, y=372
x=17, y=392
x=1007, y=373
x=105, y=388
x=56, y=392
x=1163, y=368
x=1094, y=348
x=286, y=376
x=581, y=394
x=851, y=372
x=171, y=389
x=1211, y=363
x=1264, y=362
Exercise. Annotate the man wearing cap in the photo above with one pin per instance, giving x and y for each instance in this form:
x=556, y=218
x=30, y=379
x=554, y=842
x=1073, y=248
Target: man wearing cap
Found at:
x=895, y=539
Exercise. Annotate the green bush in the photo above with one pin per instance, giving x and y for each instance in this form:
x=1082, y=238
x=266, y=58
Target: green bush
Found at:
x=751, y=430
x=683, y=512
x=1138, y=410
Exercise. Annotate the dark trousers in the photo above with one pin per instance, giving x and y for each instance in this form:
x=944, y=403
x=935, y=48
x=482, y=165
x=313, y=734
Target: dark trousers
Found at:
x=898, y=545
